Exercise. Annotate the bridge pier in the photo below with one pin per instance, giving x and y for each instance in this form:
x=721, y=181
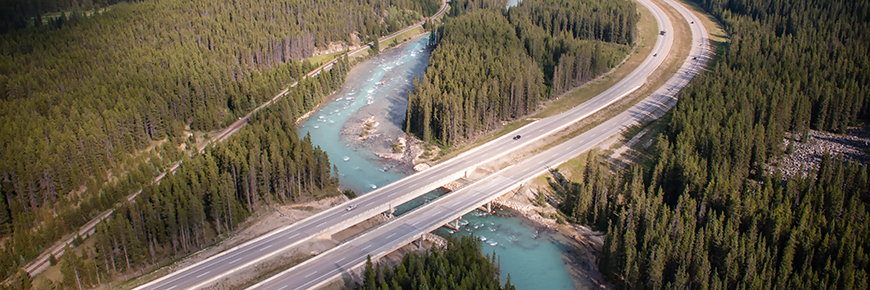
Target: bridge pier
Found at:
x=389, y=213
x=418, y=242
x=469, y=171
x=486, y=207
x=454, y=226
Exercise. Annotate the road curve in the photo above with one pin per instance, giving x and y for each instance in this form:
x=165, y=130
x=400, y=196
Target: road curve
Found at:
x=338, y=261
x=375, y=202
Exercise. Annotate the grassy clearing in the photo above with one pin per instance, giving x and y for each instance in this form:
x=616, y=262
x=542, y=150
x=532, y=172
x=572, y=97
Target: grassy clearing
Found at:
x=399, y=39
x=714, y=29
x=570, y=169
x=321, y=59
x=47, y=17
x=402, y=37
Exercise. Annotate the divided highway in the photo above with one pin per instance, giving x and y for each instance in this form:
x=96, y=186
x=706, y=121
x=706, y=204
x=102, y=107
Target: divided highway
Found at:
x=383, y=199
x=338, y=261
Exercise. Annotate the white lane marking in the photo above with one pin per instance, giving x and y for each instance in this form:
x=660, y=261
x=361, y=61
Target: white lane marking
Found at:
x=315, y=279
x=203, y=274
x=293, y=236
x=391, y=235
x=266, y=247
x=339, y=260
x=367, y=247
x=170, y=288
x=312, y=273
x=282, y=288
x=415, y=224
x=236, y=260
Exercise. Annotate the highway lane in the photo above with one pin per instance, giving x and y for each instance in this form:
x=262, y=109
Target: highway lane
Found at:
x=380, y=241
x=380, y=200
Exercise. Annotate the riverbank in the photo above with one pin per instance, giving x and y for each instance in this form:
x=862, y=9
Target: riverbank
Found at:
x=582, y=260
x=360, y=125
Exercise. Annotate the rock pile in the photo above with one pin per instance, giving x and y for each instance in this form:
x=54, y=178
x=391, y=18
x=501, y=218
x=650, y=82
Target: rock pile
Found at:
x=435, y=240
x=807, y=155
x=528, y=211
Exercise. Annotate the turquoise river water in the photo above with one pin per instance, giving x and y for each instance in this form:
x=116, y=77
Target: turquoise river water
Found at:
x=377, y=88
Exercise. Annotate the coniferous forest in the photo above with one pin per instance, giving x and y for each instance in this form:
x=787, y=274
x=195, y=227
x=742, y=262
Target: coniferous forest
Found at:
x=703, y=212
x=80, y=95
x=208, y=196
x=492, y=65
x=94, y=106
x=461, y=265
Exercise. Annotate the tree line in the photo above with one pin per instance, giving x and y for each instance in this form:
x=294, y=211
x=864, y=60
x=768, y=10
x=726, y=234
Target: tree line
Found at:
x=21, y=14
x=799, y=233
x=461, y=265
x=266, y=159
x=703, y=211
x=492, y=65
x=265, y=163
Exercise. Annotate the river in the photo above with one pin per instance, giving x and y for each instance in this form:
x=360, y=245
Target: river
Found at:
x=377, y=88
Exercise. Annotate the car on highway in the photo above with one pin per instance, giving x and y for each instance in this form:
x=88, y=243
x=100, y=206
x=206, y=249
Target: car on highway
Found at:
x=517, y=137
x=351, y=207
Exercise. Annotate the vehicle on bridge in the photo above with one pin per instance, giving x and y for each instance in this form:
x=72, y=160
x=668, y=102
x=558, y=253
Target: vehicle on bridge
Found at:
x=351, y=207
x=517, y=137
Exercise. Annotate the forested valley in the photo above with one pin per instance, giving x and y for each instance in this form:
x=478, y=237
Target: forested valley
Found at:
x=703, y=212
x=93, y=108
x=208, y=196
x=461, y=265
x=492, y=65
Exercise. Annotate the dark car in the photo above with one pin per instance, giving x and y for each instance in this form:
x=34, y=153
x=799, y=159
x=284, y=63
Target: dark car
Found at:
x=517, y=137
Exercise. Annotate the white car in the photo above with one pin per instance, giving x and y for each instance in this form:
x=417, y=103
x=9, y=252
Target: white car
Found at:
x=350, y=207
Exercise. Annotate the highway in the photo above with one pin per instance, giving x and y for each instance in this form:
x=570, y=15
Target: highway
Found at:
x=383, y=199
x=338, y=261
